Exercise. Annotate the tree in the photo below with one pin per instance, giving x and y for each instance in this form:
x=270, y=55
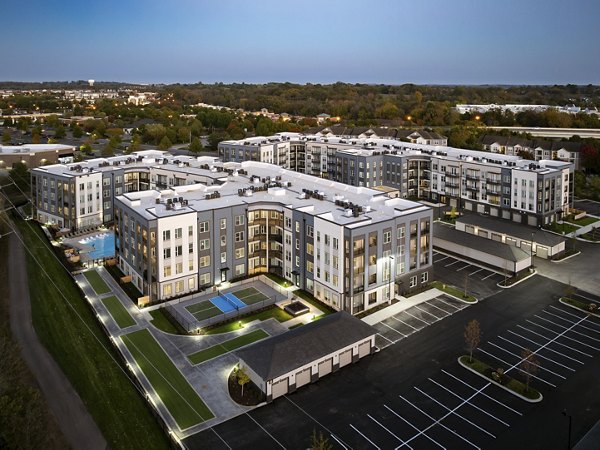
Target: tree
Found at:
x=472, y=337
x=135, y=143
x=196, y=145
x=59, y=132
x=242, y=378
x=108, y=149
x=529, y=365
x=77, y=131
x=319, y=441
x=6, y=138
x=165, y=143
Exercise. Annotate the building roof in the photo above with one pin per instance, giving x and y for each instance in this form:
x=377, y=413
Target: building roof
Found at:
x=505, y=251
x=35, y=148
x=510, y=228
x=283, y=353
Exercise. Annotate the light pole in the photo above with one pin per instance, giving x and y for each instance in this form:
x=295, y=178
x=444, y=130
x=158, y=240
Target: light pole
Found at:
x=564, y=413
x=391, y=259
x=531, y=243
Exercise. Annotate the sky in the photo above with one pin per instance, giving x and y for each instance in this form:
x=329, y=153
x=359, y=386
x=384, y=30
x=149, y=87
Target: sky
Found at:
x=303, y=41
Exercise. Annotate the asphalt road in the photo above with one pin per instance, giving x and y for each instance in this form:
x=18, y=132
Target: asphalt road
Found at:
x=72, y=417
x=359, y=395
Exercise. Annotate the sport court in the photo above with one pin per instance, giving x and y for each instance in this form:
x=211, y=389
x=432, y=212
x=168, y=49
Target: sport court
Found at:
x=225, y=303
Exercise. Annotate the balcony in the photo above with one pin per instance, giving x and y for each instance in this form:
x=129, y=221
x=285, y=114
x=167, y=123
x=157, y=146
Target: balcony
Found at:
x=493, y=180
x=452, y=184
x=472, y=187
x=472, y=176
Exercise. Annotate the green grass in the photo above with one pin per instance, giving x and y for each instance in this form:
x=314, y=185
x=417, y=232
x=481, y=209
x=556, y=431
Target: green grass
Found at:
x=279, y=280
x=299, y=324
x=97, y=282
x=162, y=322
x=452, y=291
x=69, y=330
x=326, y=309
x=587, y=220
x=507, y=381
x=129, y=288
x=584, y=306
x=182, y=401
x=561, y=227
x=118, y=312
x=227, y=346
x=273, y=311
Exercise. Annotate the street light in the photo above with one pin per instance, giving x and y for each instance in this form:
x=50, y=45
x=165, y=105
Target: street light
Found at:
x=531, y=243
x=391, y=259
x=564, y=413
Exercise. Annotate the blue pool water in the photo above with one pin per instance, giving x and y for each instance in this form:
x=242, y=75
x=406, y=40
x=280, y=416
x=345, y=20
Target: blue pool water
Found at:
x=104, y=245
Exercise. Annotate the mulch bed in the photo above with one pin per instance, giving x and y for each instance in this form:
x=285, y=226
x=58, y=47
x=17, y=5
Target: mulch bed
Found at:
x=252, y=394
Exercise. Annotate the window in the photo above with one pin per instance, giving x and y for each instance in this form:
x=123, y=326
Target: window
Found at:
x=413, y=281
x=166, y=253
x=204, y=244
x=327, y=239
x=191, y=247
x=336, y=243
x=167, y=290
x=178, y=268
x=297, y=261
x=223, y=241
x=178, y=250
x=372, y=297
x=202, y=227
x=387, y=237
x=309, y=266
x=288, y=222
x=191, y=265
x=309, y=230
x=239, y=236
x=167, y=271
x=239, y=253
x=223, y=257
x=223, y=224
x=424, y=277
x=297, y=227
x=190, y=231
x=166, y=235
x=178, y=233
x=191, y=284
x=204, y=279
x=309, y=248
x=401, y=230
x=239, y=220
x=204, y=261
x=240, y=269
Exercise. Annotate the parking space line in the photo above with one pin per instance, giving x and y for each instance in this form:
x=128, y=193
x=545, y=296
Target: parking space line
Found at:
x=490, y=275
x=568, y=320
x=453, y=411
x=406, y=311
x=263, y=428
x=469, y=403
x=441, y=259
x=556, y=342
x=436, y=422
x=452, y=263
x=464, y=267
x=519, y=356
x=405, y=323
x=547, y=348
x=386, y=429
x=401, y=334
x=564, y=311
x=390, y=341
x=446, y=303
x=515, y=366
x=414, y=427
x=476, y=271
x=565, y=336
x=427, y=312
x=442, y=310
x=541, y=356
x=564, y=328
x=368, y=440
x=483, y=393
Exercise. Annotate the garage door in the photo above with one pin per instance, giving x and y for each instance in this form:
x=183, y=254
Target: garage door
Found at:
x=483, y=233
x=470, y=229
x=325, y=367
x=345, y=358
x=280, y=388
x=541, y=252
x=303, y=378
x=364, y=349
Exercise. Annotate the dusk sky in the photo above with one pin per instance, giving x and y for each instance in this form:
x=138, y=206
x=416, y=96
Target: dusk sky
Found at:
x=367, y=41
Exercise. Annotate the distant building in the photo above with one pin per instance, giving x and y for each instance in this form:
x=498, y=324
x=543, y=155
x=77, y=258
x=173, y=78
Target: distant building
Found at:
x=34, y=155
x=515, y=109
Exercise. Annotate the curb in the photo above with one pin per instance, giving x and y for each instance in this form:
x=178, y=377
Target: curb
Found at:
x=520, y=281
x=459, y=299
x=522, y=397
x=556, y=261
x=560, y=300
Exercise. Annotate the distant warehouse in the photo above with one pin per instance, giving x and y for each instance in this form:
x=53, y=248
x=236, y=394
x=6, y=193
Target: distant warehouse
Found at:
x=282, y=364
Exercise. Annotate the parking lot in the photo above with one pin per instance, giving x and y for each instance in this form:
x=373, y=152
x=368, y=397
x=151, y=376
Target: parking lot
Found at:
x=458, y=409
x=589, y=206
x=415, y=318
x=481, y=281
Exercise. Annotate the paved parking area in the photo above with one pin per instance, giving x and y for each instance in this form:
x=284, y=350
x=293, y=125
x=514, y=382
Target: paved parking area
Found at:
x=589, y=206
x=482, y=282
x=458, y=409
x=401, y=325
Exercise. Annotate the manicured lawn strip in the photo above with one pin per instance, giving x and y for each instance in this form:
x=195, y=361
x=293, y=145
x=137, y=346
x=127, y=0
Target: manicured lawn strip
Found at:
x=583, y=306
x=182, y=401
x=299, y=324
x=271, y=312
x=561, y=227
x=279, y=280
x=197, y=307
x=507, y=381
x=118, y=312
x=452, y=291
x=207, y=313
x=129, y=288
x=97, y=378
x=326, y=309
x=227, y=346
x=162, y=322
x=97, y=282
x=583, y=221
x=250, y=300
x=247, y=292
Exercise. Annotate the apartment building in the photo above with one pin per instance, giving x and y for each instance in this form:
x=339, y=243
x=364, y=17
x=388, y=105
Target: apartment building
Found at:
x=352, y=247
x=502, y=185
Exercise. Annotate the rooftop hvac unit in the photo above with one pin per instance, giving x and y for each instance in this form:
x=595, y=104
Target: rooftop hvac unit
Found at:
x=348, y=213
x=157, y=201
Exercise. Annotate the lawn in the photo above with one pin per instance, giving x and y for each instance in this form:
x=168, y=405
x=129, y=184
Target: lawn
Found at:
x=162, y=322
x=560, y=228
x=583, y=306
x=129, y=288
x=118, y=312
x=97, y=282
x=227, y=346
x=69, y=330
x=587, y=220
x=273, y=311
x=326, y=309
x=182, y=401
x=453, y=291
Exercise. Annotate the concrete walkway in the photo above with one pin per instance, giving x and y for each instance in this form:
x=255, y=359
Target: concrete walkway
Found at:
x=584, y=229
x=401, y=305
x=72, y=417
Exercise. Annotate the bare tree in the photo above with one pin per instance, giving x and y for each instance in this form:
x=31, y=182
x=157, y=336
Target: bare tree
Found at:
x=529, y=365
x=242, y=379
x=472, y=337
x=319, y=441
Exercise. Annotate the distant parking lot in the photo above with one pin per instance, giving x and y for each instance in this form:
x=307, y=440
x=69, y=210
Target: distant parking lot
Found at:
x=481, y=282
x=589, y=206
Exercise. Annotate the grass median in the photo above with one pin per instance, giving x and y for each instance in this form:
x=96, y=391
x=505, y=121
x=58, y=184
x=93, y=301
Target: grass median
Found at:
x=182, y=401
x=118, y=312
x=97, y=282
x=227, y=346
x=69, y=330
x=453, y=291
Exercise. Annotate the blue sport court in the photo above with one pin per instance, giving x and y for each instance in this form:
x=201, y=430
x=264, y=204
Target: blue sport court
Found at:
x=228, y=302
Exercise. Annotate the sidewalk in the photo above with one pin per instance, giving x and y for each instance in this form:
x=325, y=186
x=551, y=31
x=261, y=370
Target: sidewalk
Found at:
x=404, y=303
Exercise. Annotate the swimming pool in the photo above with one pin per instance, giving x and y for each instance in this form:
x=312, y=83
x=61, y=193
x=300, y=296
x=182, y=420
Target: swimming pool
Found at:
x=103, y=245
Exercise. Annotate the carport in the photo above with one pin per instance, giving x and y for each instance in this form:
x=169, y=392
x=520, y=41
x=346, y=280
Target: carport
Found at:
x=283, y=363
x=485, y=251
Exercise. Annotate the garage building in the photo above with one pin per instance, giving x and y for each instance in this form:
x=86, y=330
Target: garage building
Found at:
x=283, y=363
